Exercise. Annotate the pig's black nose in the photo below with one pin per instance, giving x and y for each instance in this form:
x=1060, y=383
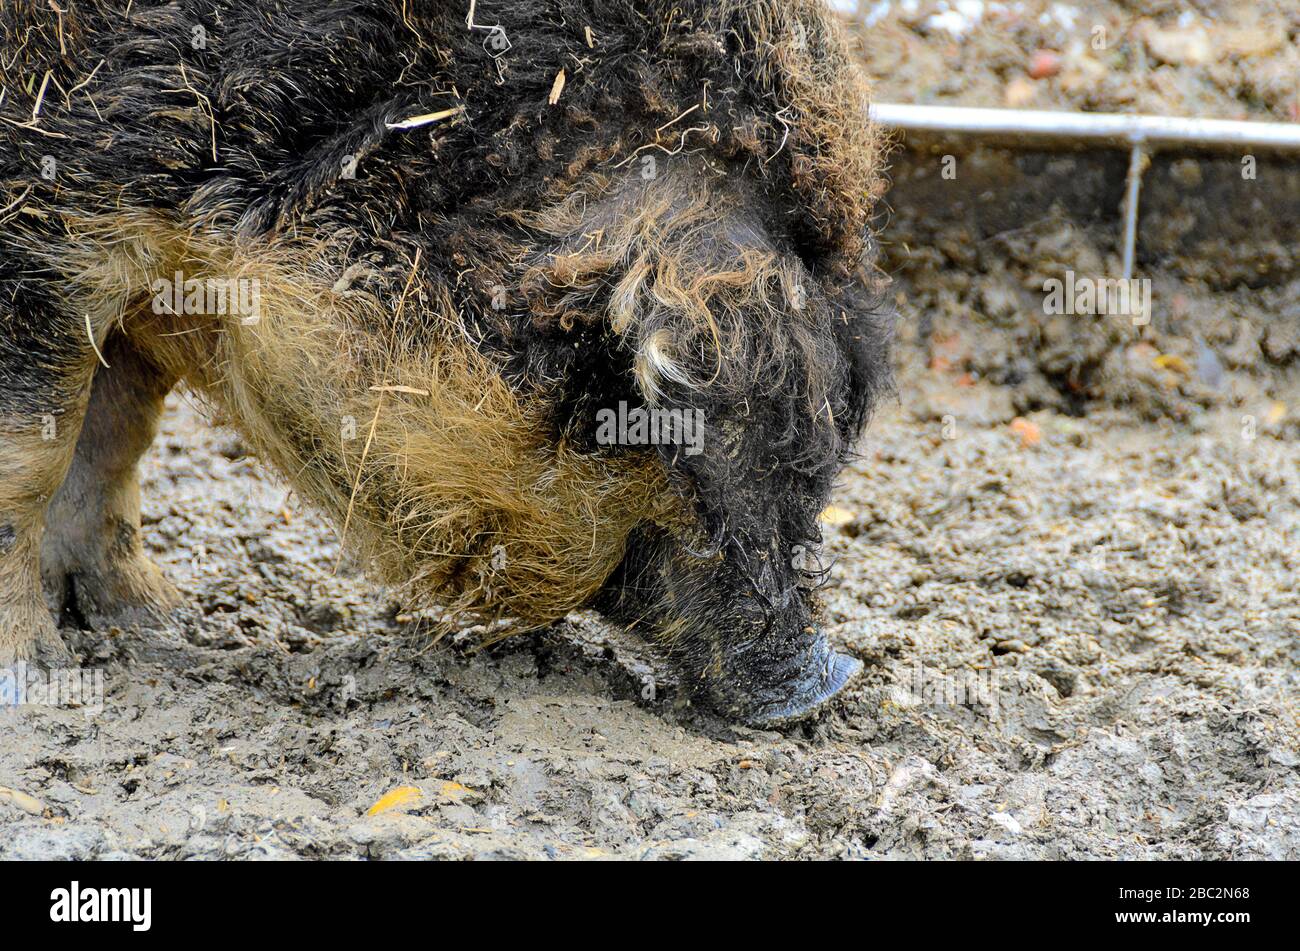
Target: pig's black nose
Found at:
x=808, y=693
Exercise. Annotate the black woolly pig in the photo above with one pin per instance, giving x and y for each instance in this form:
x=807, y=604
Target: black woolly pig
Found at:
x=419, y=253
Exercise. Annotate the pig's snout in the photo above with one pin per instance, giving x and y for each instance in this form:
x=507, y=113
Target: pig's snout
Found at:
x=779, y=680
x=750, y=651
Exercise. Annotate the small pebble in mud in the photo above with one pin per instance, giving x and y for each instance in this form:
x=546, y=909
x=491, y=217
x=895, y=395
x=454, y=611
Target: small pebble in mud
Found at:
x=1208, y=368
x=1044, y=63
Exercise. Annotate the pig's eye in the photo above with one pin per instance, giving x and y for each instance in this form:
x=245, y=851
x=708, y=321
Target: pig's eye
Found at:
x=809, y=567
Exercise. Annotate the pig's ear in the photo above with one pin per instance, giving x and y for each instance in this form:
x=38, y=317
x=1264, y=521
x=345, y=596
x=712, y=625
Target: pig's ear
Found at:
x=691, y=284
x=709, y=318
x=634, y=262
x=694, y=296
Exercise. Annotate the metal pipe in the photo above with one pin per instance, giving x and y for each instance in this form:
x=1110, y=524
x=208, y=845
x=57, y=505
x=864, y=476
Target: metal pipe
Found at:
x=1103, y=127
x=1137, y=163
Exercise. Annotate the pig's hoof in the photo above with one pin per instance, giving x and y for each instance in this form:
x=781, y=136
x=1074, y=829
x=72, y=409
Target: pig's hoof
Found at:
x=808, y=694
x=30, y=637
x=49, y=651
x=130, y=594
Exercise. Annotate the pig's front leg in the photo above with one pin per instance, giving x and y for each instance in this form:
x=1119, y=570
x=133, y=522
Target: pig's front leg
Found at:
x=92, y=560
x=44, y=382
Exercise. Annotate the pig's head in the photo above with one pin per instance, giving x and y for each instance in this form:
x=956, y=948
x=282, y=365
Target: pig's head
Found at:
x=619, y=207
x=705, y=274
x=752, y=361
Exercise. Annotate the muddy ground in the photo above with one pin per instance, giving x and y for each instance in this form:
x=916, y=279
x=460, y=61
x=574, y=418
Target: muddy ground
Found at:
x=1066, y=553
x=1226, y=59
x=1084, y=647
